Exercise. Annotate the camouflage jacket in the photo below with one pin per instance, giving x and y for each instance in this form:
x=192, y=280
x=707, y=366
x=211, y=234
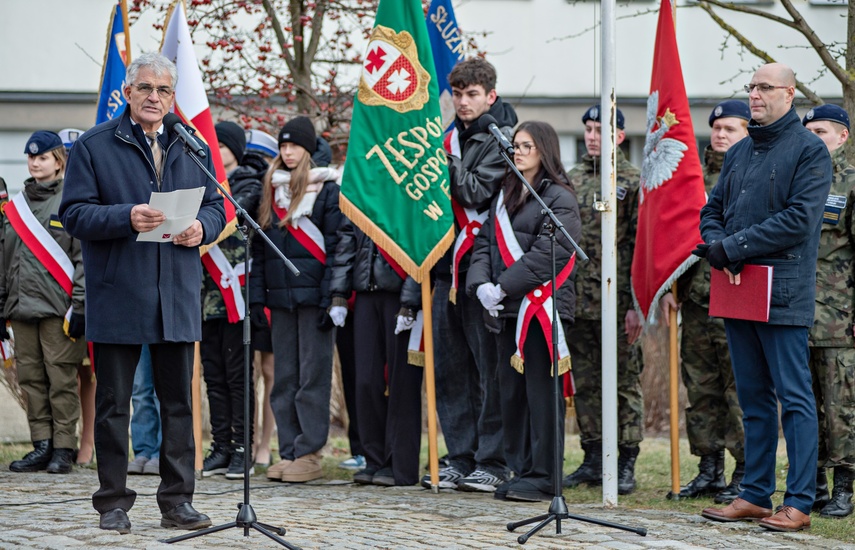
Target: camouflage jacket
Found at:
x=585, y=177
x=694, y=285
x=213, y=306
x=835, y=280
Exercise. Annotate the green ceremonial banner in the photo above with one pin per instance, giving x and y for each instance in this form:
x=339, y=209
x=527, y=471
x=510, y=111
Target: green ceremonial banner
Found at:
x=395, y=185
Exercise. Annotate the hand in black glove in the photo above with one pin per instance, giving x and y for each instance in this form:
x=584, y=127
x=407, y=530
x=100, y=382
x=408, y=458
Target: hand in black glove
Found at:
x=257, y=316
x=4, y=334
x=701, y=250
x=325, y=322
x=716, y=256
x=76, y=326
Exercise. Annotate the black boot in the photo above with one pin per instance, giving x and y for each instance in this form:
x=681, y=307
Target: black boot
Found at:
x=840, y=504
x=821, y=498
x=710, y=478
x=61, y=461
x=626, y=469
x=733, y=489
x=35, y=460
x=591, y=469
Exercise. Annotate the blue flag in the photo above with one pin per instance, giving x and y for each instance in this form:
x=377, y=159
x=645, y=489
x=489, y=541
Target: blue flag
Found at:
x=447, y=45
x=111, y=102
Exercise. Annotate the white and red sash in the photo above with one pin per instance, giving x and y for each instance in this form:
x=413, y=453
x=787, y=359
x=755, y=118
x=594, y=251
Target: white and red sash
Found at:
x=37, y=239
x=536, y=303
x=470, y=222
x=306, y=232
x=416, y=343
x=229, y=280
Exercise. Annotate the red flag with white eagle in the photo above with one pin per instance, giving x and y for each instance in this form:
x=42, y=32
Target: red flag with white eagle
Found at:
x=191, y=100
x=672, y=184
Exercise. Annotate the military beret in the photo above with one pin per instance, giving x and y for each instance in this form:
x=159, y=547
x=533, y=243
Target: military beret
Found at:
x=262, y=142
x=827, y=112
x=42, y=141
x=730, y=108
x=594, y=114
x=69, y=136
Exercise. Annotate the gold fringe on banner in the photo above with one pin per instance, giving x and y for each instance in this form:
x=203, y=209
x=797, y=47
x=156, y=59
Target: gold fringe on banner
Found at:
x=418, y=272
x=452, y=295
x=519, y=366
x=416, y=358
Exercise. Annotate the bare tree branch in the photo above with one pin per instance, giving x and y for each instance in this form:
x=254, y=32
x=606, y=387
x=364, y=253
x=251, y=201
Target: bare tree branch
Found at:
x=270, y=9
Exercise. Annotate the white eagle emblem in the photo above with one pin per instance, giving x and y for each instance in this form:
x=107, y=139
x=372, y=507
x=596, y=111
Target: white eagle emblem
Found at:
x=661, y=156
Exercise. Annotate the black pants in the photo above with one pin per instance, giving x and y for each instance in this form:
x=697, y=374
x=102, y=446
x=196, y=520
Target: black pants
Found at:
x=528, y=414
x=347, y=358
x=172, y=368
x=389, y=425
x=223, y=367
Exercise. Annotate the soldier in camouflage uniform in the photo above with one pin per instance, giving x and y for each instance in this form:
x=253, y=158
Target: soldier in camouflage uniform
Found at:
x=713, y=417
x=832, y=345
x=584, y=337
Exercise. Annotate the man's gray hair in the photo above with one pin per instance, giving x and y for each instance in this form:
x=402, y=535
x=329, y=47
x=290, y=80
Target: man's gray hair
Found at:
x=154, y=61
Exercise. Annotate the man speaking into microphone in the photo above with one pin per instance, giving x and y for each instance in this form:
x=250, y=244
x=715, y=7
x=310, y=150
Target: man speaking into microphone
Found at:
x=140, y=292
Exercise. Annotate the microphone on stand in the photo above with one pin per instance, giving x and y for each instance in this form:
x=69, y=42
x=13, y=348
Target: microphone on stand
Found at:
x=173, y=122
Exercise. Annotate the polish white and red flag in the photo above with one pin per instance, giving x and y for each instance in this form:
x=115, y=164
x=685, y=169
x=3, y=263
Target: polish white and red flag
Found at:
x=191, y=100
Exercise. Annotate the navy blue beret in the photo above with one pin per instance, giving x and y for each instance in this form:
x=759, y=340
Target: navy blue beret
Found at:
x=827, y=112
x=594, y=114
x=730, y=108
x=42, y=141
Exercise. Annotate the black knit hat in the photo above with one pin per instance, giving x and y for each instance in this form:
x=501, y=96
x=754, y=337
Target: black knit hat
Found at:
x=232, y=136
x=301, y=131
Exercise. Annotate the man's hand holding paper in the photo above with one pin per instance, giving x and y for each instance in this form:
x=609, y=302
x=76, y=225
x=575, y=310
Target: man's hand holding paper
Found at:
x=170, y=217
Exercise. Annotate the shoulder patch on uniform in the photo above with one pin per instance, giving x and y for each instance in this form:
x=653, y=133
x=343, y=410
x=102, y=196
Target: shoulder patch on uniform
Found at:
x=54, y=221
x=620, y=192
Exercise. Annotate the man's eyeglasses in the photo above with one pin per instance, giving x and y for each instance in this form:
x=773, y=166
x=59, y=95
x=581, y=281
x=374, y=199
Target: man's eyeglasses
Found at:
x=524, y=148
x=145, y=90
x=762, y=88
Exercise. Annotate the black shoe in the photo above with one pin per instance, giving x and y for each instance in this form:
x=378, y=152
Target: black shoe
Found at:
x=365, y=476
x=501, y=492
x=840, y=504
x=710, y=479
x=821, y=498
x=236, y=465
x=524, y=491
x=590, y=472
x=217, y=461
x=626, y=469
x=184, y=516
x=115, y=520
x=35, y=460
x=731, y=492
x=384, y=478
x=61, y=461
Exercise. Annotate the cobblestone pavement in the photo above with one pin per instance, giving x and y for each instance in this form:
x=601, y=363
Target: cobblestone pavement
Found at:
x=54, y=511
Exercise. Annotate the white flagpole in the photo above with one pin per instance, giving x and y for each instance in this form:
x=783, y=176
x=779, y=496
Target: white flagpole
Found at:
x=608, y=158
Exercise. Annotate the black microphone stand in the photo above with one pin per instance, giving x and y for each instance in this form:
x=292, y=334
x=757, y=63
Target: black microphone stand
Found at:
x=558, y=507
x=246, y=517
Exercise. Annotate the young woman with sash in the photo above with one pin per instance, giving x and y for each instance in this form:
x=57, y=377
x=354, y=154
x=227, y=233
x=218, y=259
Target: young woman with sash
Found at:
x=42, y=295
x=299, y=212
x=511, y=274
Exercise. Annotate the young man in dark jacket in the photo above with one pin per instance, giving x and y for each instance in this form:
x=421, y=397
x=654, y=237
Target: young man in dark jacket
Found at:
x=767, y=209
x=466, y=353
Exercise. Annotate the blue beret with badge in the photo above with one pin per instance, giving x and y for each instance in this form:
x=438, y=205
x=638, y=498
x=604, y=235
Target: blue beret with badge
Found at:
x=731, y=108
x=594, y=114
x=41, y=142
x=827, y=112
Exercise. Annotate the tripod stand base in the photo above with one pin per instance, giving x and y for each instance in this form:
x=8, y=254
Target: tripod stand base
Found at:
x=245, y=520
x=558, y=512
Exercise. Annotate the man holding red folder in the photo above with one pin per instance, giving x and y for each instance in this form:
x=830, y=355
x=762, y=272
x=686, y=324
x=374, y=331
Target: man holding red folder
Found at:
x=767, y=209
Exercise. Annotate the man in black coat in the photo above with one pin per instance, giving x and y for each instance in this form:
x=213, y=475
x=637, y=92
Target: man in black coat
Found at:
x=140, y=292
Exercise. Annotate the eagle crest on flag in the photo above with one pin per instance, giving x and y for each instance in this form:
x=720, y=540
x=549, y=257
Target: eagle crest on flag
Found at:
x=662, y=156
x=391, y=73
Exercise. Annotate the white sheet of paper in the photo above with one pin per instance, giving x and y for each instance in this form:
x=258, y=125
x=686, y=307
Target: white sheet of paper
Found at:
x=180, y=208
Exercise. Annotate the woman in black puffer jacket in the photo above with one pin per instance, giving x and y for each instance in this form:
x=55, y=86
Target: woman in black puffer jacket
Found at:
x=510, y=273
x=299, y=213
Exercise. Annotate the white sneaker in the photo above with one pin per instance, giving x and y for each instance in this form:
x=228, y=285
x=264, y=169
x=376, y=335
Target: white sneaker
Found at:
x=356, y=462
x=480, y=481
x=448, y=478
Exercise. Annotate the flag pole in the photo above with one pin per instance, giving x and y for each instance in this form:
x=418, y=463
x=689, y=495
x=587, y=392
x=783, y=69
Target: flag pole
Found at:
x=124, y=4
x=196, y=398
x=430, y=387
x=674, y=399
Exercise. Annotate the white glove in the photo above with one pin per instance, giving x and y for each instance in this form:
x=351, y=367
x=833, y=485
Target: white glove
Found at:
x=403, y=323
x=490, y=295
x=338, y=314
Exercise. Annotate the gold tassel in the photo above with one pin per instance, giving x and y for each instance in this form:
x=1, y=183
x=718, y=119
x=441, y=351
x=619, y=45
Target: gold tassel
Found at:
x=571, y=407
x=452, y=295
x=416, y=358
x=563, y=366
x=517, y=363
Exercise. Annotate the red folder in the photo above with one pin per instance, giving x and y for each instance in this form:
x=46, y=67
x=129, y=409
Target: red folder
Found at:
x=750, y=300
